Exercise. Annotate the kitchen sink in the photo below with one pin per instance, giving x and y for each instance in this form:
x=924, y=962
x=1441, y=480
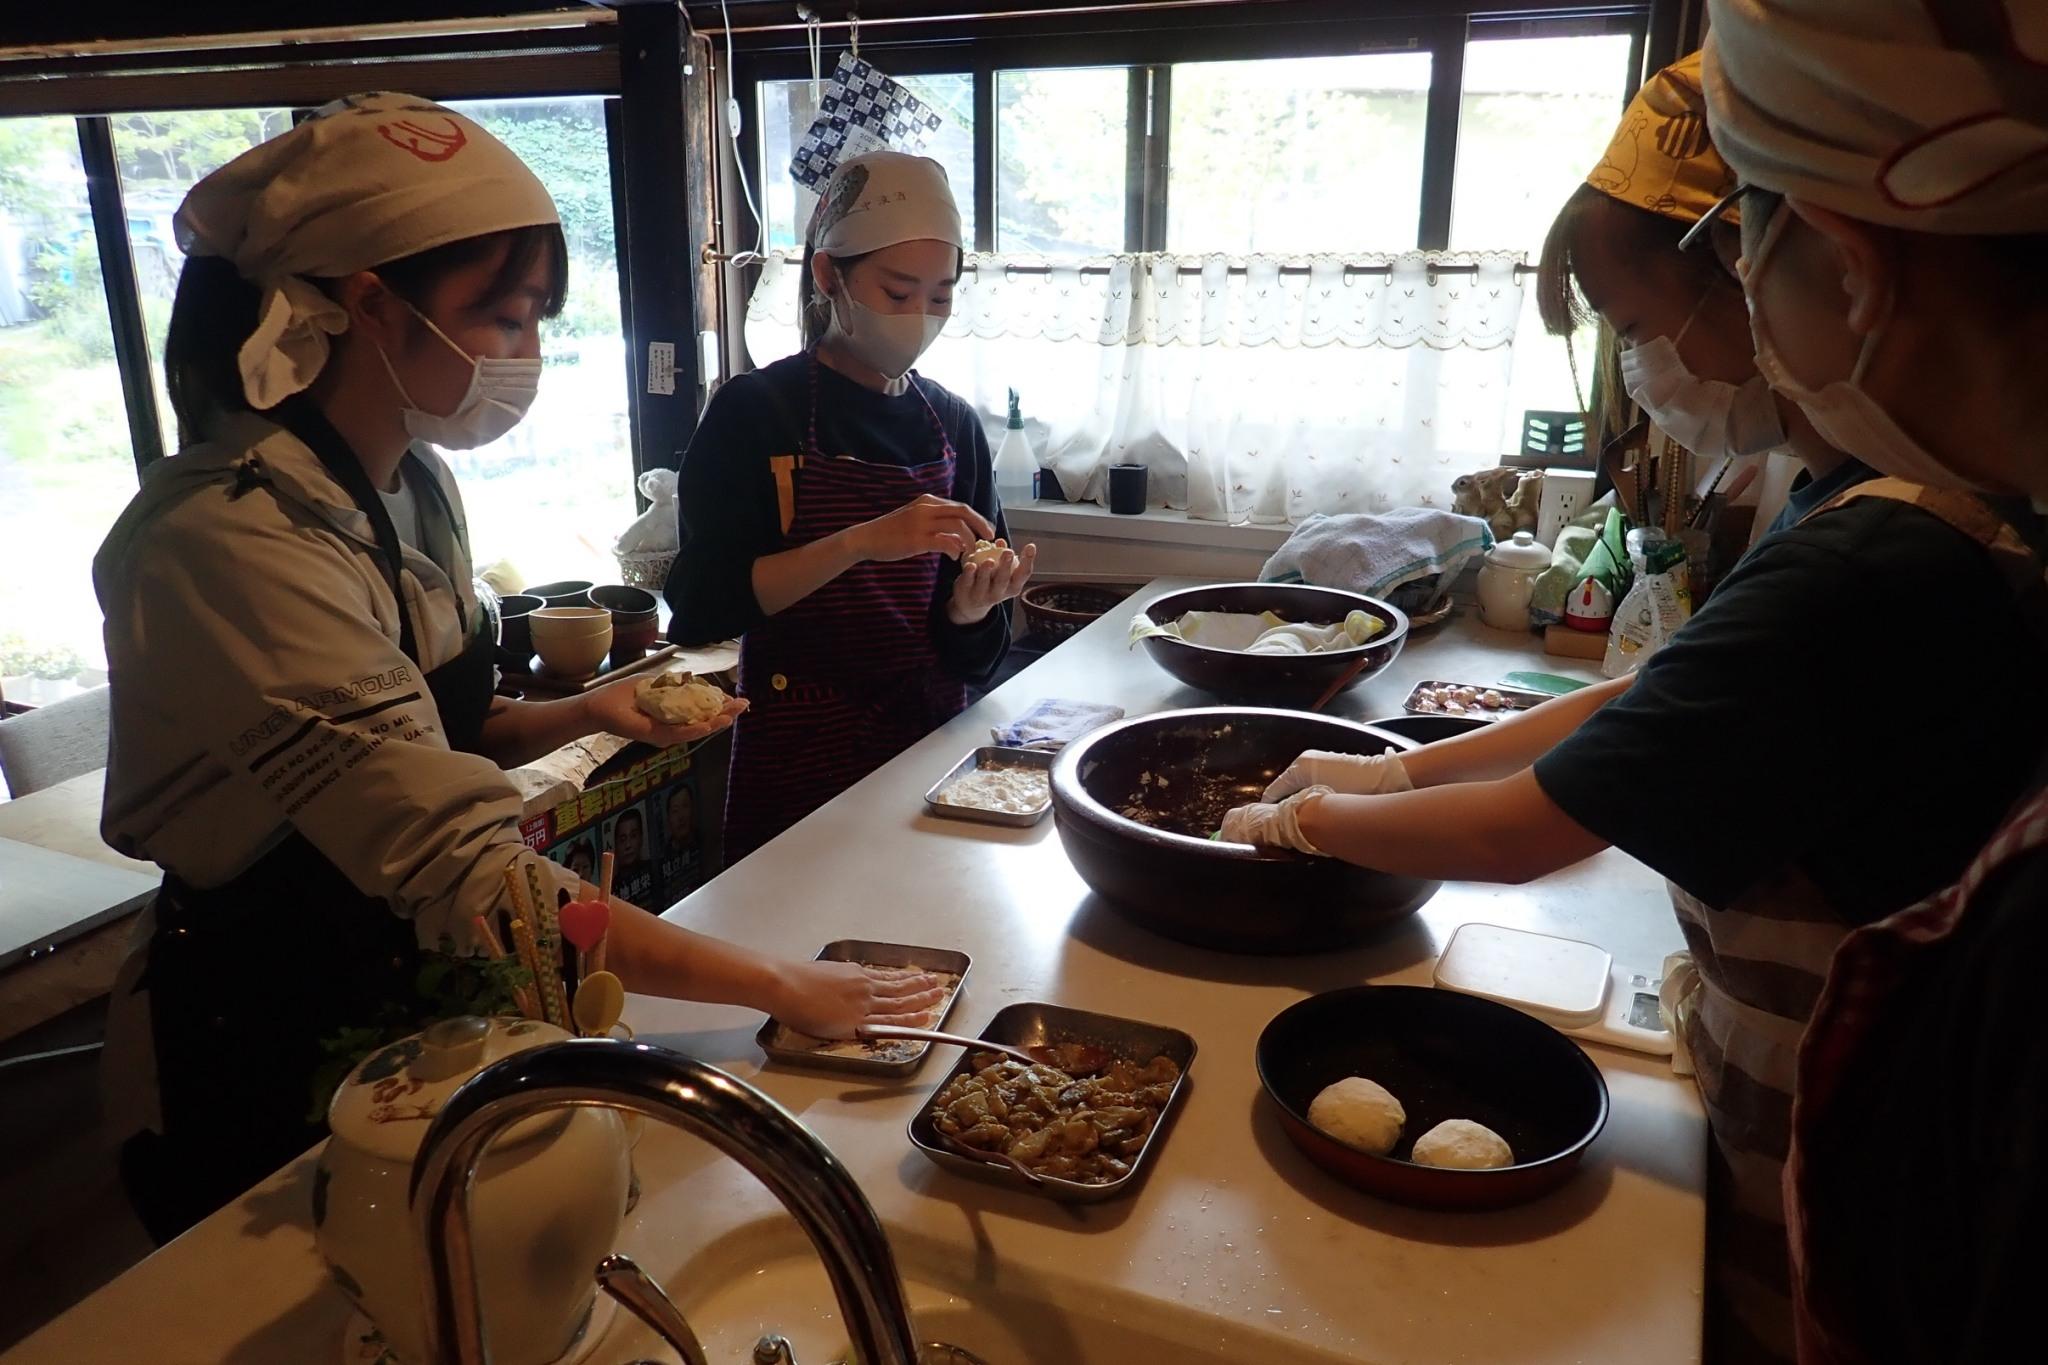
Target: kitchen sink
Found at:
x=764, y=1278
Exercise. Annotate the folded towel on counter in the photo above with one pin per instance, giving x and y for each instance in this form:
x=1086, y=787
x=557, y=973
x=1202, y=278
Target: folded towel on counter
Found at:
x=1376, y=552
x=1265, y=633
x=1054, y=723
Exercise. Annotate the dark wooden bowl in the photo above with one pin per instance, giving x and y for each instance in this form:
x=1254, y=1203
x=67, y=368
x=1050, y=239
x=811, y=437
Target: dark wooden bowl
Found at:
x=1444, y=1056
x=1274, y=679
x=1184, y=769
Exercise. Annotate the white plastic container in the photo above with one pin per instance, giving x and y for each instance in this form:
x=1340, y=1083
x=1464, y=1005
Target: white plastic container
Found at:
x=1016, y=465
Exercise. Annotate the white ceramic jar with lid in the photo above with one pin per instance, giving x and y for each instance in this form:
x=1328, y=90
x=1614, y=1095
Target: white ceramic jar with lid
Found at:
x=1507, y=581
x=548, y=1201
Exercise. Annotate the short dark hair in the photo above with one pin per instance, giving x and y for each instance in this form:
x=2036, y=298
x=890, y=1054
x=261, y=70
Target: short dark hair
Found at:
x=215, y=309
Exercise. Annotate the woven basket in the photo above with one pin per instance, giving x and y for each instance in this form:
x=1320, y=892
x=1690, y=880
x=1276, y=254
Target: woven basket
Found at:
x=1060, y=609
x=645, y=570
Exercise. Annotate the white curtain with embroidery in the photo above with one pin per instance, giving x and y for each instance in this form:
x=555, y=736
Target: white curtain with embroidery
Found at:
x=1254, y=388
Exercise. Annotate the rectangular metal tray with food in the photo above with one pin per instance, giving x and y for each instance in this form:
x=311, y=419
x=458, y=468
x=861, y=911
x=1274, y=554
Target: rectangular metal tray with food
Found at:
x=992, y=758
x=1031, y=1025
x=895, y=1057
x=1447, y=699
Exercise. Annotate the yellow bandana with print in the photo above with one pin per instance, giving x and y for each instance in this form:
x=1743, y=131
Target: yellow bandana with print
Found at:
x=1661, y=158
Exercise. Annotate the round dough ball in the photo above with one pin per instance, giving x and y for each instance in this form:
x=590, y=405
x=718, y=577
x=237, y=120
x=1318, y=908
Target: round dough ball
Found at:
x=985, y=552
x=1359, y=1113
x=1463, y=1145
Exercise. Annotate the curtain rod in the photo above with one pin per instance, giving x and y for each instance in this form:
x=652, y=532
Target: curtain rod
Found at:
x=854, y=20
x=294, y=37
x=747, y=258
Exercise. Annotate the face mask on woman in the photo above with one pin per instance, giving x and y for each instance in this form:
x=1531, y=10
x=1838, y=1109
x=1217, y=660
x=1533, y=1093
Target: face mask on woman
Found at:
x=888, y=343
x=499, y=393
x=1842, y=412
x=1712, y=418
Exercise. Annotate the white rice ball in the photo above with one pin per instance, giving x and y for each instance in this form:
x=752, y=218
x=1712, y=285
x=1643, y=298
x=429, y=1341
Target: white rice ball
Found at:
x=1464, y=1145
x=1359, y=1113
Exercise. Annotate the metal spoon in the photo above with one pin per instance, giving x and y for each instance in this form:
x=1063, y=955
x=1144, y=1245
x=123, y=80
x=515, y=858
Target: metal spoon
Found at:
x=624, y=1280
x=924, y=1035
x=988, y=1157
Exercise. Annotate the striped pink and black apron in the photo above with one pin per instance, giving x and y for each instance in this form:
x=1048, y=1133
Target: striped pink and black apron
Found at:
x=1761, y=962
x=844, y=680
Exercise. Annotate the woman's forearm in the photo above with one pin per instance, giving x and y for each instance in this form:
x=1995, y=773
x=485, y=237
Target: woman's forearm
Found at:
x=518, y=732
x=782, y=580
x=1508, y=746
x=654, y=957
x=1504, y=831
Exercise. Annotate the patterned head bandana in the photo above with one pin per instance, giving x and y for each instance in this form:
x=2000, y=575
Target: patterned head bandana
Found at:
x=1661, y=159
x=365, y=180
x=881, y=199
x=1923, y=114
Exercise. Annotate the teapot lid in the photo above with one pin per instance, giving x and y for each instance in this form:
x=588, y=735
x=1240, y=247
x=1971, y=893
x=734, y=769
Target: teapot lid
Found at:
x=1524, y=551
x=387, y=1102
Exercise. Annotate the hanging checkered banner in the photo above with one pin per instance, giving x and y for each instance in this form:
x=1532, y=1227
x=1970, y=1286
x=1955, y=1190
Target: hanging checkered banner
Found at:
x=864, y=110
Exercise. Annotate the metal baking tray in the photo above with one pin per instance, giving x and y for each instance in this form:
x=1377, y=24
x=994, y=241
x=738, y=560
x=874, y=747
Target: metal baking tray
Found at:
x=892, y=1058
x=1032, y=1024
x=993, y=756
x=1517, y=699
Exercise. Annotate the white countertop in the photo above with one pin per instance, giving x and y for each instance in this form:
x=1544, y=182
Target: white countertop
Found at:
x=1233, y=1224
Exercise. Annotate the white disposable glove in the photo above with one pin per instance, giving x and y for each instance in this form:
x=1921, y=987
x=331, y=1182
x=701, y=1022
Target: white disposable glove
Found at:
x=1351, y=774
x=1273, y=826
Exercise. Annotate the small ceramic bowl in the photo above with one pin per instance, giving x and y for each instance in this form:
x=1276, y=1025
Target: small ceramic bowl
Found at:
x=569, y=592
x=515, y=635
x=620, y=600
x=571, y=641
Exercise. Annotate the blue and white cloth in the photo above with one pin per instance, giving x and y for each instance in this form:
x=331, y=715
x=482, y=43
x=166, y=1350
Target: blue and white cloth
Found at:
x=1377, y=552
x=1054, y=723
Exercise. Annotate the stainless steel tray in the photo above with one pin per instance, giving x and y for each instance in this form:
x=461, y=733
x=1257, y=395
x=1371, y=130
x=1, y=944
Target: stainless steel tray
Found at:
x=1513, y=699
x=992, y=756
x=880, y=1058
x=1031, y=1024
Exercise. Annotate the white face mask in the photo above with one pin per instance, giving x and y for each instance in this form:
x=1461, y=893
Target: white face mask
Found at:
x=499, y=393
x=1842, y=411
x=1712, y=418
x=888, y=343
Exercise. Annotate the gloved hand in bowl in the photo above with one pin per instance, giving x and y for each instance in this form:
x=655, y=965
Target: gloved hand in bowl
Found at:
x=1273, y=825
x=1351, y=774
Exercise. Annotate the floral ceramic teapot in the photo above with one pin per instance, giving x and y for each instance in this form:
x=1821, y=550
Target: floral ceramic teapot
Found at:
x=548, y=1201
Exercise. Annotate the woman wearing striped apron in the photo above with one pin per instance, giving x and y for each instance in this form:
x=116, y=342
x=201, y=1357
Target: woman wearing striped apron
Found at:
x=1758, y=761
x=1895, y=227
x=827, y=504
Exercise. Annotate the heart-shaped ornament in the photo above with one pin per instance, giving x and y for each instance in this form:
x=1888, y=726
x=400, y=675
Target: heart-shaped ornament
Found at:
x=584, y=923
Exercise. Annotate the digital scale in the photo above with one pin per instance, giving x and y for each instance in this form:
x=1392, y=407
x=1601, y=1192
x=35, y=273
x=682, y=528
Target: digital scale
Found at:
x=1574, y=987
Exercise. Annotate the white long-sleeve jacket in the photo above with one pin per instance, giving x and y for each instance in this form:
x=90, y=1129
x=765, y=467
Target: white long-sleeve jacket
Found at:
x=258, y=685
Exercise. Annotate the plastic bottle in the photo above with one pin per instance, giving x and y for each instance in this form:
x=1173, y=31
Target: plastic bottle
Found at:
x=1015, y=463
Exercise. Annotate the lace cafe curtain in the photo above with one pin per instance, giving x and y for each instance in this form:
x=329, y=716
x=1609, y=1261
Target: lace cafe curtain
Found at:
x=1252, y=394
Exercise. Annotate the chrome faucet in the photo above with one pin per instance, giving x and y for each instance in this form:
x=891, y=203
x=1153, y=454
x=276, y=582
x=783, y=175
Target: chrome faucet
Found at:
x=733, y=1116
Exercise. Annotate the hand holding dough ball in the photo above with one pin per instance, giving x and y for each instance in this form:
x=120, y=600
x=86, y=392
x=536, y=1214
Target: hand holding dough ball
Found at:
x=985, y=552
x=1359, y=1113
x=678, y=698
x=1463, y=1145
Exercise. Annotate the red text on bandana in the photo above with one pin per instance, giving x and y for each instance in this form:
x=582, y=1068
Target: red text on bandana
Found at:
x=428, y=144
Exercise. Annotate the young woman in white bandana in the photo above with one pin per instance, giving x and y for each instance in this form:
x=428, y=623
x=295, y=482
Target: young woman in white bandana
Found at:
x=828, y=503
x=1895, y=255
x=305, y=735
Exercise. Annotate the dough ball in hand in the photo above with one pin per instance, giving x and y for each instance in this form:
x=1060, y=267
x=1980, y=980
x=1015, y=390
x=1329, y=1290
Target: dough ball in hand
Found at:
x=1464, y=1145
x=985, y=552
x=678, y=698
x=1359, y=1113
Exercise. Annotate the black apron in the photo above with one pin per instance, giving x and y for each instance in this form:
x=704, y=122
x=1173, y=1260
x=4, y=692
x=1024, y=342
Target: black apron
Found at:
x=248, y=981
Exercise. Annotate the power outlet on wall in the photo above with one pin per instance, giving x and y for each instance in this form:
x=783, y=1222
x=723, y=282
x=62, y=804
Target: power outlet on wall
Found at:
x=1566, y=494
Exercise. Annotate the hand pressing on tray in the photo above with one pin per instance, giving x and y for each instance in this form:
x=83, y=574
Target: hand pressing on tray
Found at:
x=832, y=999
x=1273, y=825
x=1351, y=774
